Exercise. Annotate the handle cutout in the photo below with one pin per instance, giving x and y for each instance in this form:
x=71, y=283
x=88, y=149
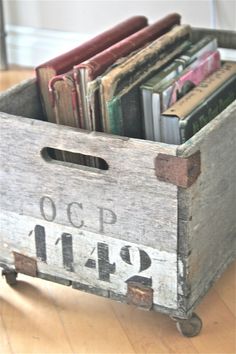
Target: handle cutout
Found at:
x=72, y=158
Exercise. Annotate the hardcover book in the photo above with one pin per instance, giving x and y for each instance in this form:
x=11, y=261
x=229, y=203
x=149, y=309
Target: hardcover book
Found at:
x=65, y=62
x=170, y=92
x=119, y=87
x=199, y=106
x=64, y=99
x=151, y=103
x=64, y=104
x=89, y=70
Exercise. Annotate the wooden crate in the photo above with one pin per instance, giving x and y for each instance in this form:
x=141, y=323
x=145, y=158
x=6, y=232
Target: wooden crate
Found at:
x=155, y=229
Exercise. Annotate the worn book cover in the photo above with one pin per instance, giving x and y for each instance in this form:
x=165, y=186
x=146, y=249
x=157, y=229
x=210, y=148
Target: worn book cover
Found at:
x=90, y=69
x=64, y=99
x=191, y=111
x=119, y=87
x=64, y=105
x=65, y=62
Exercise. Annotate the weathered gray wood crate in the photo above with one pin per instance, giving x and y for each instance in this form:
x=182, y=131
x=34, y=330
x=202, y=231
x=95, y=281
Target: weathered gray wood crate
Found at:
x=155, y=229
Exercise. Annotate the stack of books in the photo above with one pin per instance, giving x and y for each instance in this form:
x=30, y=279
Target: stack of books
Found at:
x=138, y=80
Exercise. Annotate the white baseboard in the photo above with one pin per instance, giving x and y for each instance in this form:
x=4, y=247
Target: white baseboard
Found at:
x=30, y=47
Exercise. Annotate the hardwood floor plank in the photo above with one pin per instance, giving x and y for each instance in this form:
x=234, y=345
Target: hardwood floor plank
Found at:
x=13, y=76
x=226, y=288
x=151, y=332
x=89, y=322
x=218, y=335
x=5, y=347
x=31, y=322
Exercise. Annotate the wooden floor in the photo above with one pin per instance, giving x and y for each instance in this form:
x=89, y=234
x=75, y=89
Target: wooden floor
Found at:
x=41, y=317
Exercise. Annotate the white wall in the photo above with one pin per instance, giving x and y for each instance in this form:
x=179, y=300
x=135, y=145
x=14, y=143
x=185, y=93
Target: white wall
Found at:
x=93, y=16
x=38, y=30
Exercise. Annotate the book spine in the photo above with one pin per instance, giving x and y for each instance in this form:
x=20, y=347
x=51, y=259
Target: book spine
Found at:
x=70, y=89
x=208, y=110
x=146, y=97
x=115, y=126
x=156, y=116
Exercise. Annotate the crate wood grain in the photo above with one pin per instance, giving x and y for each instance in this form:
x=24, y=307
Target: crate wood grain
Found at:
x=155, y=229
x=59, y=200
x=207, y=223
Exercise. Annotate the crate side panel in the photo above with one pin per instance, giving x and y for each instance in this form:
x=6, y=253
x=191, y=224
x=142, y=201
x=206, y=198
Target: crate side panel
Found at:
x=92, y=259
x=225, y=38
x=126, y=202
x=207, y=209
x=22, y=100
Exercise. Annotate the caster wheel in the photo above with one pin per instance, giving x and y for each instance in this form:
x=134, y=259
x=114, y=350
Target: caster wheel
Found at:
x=190, y=327
x=10, y=276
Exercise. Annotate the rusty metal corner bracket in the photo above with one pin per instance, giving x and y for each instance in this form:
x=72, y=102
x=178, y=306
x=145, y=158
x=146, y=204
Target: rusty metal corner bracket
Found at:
x=180, y=171
x=139, y=295
x=25, y=265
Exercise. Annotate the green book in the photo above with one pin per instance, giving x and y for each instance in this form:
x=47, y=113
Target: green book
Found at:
x=119, y=87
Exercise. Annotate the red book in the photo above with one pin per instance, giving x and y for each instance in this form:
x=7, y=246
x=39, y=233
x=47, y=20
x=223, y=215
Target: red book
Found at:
x=87, y=71
x=65, y=62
